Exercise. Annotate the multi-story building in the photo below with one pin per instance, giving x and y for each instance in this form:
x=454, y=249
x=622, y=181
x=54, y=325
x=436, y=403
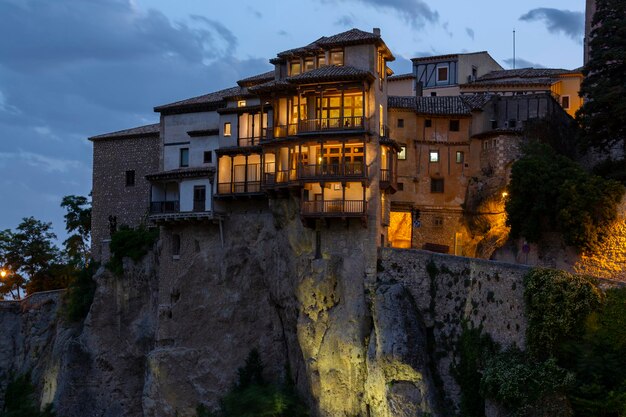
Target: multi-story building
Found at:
x=442, y=75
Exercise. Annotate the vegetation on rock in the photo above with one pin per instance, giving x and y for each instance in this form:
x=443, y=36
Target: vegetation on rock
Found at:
x=252, y=396
x=549, y=191
x=130, y=243
x=19, y=400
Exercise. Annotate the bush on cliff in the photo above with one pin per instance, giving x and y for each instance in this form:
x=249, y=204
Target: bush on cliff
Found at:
x=252, y=396
x=80, y=293
x=130, y=243
x=19, y=400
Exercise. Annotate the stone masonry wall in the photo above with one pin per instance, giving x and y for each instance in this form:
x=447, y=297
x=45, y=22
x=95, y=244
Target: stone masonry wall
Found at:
x=111, y=159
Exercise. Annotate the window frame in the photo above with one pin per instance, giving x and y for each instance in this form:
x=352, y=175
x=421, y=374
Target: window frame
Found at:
x=400, y=123
x=460, y=157
x=454, y=125
x=181, y=152
x=228, y=129
x=443, y=67
x=569, y=102
x=434, y=153
x=437, y=186
x=130, y=178
x=208, y=160
x=402, y=153
x=428, y=123
x=336, y=52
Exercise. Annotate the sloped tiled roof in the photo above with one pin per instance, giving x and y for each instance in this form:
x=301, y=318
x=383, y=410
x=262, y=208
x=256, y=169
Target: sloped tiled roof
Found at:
x=440, y=105
x=209, y=101
x=257, y=79
x=400, y=77
x=147, y=130
x=518, y=77
x=444, y=57
x=270, y=86
x=401, y=102
x=330, y=73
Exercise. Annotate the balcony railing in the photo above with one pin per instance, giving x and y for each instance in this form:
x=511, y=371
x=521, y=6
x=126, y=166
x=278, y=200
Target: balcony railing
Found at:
x=347, y=169
x=238, y=187
x=164, y=207
x=331, y=123
x=334, y=208
x=386, y=175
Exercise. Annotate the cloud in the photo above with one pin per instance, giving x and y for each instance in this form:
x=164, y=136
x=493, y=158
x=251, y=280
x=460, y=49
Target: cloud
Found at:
x=571, y=24
x=45, y=163
x=255, y=12
x=415, y=12
x=345, y=21
x=522, y=63
x=470, y=32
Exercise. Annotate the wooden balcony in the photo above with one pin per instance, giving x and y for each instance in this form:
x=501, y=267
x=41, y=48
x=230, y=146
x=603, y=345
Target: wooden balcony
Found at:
x=159, y=207
x=310, y=126
x=334, y=208
x=167, y=212
x=332, y=171
x=238, y=188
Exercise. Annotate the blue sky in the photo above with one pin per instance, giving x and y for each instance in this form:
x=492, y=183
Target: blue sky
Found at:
x=70, y=69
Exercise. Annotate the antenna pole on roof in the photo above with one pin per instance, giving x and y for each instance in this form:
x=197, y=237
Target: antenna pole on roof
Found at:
x=513, y=48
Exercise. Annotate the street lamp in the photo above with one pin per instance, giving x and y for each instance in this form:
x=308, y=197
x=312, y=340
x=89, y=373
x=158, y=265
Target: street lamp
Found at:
x=3, y=273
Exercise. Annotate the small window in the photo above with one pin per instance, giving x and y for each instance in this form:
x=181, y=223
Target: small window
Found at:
x=460, y=157
x=565, y=102
x=336, y=57
x=400, y=122
x=433, y=156
x=208, y=157
x=227, y=130
x=176, y=246
x=184, y=157
x=400, y=186
x=474, y=73
x=294, y=68
x=494, y=124
x=309, y=64
x=436, y=185
x=437, y=221
x=433, y=94
x=442, y=74
x=241, y=103
x=402, y=153
x=455, y=125
x=130, y=178
x=428, y=123
x=512, y=124
x=321, y=60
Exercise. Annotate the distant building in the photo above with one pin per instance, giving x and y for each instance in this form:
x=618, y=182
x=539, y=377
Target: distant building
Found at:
x=442, y=75
x=563, y=84
x=590, y=10
x=401, y=85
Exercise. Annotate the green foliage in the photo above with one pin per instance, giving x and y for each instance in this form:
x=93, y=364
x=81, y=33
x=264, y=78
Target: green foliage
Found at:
x=130, y=243
x=474, y=349
x=80, y=293
x=19, y=400
x=557, y=304
x=599, y=360
x=52, y=277
x=551, y=192
x=78, y=226
x=517, y=381
x=251, y=396
x=603, y=114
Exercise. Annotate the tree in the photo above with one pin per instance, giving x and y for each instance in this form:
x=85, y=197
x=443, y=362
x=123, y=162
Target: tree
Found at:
x=603, y=115
x=24, y=253
x=78, y=226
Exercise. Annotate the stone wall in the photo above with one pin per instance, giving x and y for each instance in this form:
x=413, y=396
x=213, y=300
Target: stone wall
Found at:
x=129, y=204
x=437, y=293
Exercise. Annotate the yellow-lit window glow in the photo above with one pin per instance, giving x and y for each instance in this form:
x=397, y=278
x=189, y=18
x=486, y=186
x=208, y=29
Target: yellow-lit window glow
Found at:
x=227, y=129
x=241, y=103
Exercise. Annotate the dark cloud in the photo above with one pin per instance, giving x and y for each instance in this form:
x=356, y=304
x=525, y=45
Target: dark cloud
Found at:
x=415, y=12
x=470, y=32
x=522, y=63
x=345, y=21
x=77, y=68
x=570, y=23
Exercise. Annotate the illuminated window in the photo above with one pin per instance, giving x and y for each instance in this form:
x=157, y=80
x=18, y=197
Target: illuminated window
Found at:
x=321, y=61
x=565, y=102
x=442, y=74
x=241, y=103
x=455, y=125
x=227, y=130
x=336, y=57
x=428, y=123
x=433, y=156
x=294, y=68
x=460, y=157
x=309, y=64
x=402, y=153
x=184, y=157
x=436, y=185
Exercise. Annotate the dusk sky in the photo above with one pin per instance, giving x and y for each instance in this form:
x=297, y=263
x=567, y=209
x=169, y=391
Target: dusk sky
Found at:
x=70, y=69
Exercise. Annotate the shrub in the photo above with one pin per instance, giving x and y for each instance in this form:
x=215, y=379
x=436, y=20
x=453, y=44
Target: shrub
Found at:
x=130, y=243
x=557, y=304
x=19, y=400
x=80, y=293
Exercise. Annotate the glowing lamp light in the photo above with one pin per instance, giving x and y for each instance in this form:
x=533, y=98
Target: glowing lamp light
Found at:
x=3, y=273
x=505, y=194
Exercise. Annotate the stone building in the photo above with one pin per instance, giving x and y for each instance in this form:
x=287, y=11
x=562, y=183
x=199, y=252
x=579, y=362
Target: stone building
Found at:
x=120, y=191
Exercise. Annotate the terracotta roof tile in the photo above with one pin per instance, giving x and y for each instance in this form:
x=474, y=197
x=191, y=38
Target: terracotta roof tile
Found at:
x=401, y=102
x=330, y=73
x=212, y=100
x=441, y=105
x=400, y=77
x=349, y=37
x=147, y=130
x=256, y=79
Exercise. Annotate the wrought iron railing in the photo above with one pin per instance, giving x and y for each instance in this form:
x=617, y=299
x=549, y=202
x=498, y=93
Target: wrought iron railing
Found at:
x=386, y=175
x=164, y=207
x=347, y=169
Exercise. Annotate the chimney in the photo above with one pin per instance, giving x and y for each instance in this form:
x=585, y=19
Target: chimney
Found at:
x=376, y=31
